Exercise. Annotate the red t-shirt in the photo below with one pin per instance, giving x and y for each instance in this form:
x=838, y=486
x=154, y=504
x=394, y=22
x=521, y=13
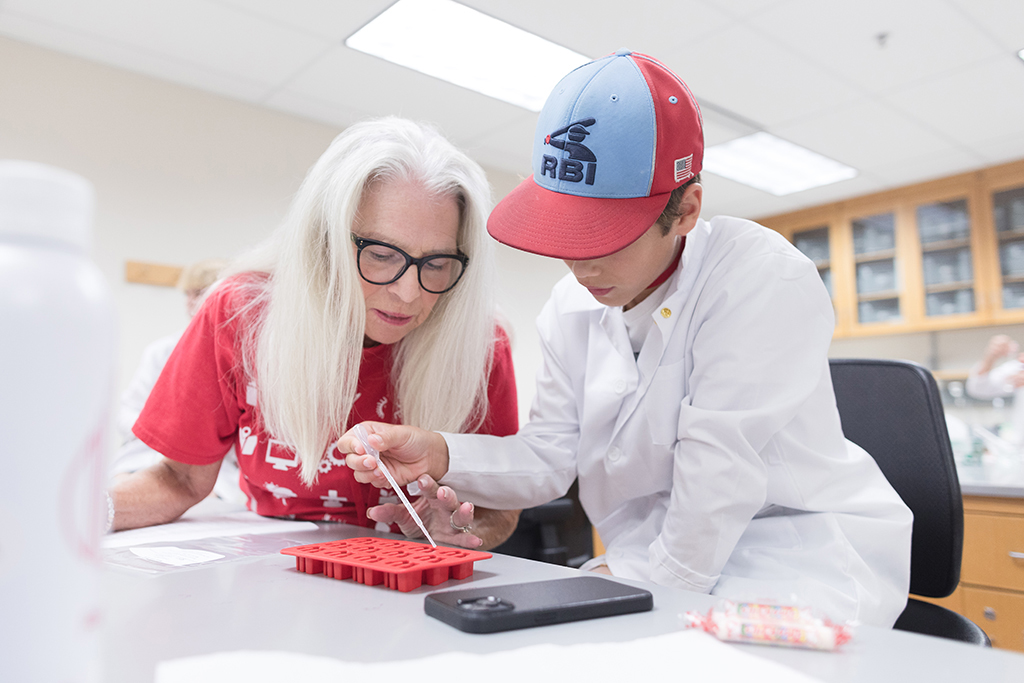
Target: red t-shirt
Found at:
x=202, y=404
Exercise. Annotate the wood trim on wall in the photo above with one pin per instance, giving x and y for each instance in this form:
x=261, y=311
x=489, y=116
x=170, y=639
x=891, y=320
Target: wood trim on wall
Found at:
x=157, y=274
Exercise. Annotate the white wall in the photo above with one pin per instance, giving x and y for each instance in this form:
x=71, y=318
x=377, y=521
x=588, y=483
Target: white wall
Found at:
x=182, y=175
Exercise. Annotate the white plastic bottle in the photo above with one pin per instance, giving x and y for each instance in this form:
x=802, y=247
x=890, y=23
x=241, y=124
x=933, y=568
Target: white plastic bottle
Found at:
x=57, y=353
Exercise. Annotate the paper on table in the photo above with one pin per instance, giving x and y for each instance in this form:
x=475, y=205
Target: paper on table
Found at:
x=177, y=557
x=187, y=529
x=693, y=655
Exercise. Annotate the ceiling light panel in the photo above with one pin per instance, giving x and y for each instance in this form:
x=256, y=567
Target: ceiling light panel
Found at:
x=774, y=165
x=460, y=45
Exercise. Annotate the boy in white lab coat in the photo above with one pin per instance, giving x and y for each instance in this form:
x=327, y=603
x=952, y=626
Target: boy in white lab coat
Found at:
x=685, y=379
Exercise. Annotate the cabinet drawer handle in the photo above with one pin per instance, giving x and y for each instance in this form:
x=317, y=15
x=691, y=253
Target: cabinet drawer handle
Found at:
x=1016, y=555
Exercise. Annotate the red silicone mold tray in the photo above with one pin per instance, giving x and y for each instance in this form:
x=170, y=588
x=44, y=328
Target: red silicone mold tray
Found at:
x=401, y=565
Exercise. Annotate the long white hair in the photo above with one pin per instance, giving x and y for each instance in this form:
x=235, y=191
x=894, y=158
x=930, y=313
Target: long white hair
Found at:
x=304, y=347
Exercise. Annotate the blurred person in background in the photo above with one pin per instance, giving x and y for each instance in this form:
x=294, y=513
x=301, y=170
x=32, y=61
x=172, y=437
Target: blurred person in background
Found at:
x=998, y=375
x=132, y=455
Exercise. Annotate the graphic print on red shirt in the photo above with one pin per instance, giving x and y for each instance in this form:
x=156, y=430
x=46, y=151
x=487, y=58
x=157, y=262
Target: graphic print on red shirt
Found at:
x=202, y=404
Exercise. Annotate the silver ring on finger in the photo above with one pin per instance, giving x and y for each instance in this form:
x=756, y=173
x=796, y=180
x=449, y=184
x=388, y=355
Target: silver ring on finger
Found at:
x=455, y=527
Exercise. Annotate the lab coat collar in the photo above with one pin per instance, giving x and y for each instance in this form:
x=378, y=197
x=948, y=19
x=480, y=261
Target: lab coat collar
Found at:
x=680, y=285
x=666, y=317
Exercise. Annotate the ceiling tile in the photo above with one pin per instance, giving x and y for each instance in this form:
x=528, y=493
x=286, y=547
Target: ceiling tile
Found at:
x=729, y=198
x=864, y=135
x=716, y=133
x=934, y=164
x=744, y=9
x=924, y=38
x=597, y=29
x=942, y=96
x=194, y=32
x=360, y=81
x=970, y=105
x=115, y=54
x=331, y=19
x=1001, y=149
x=758, y=79
x=1001, y=19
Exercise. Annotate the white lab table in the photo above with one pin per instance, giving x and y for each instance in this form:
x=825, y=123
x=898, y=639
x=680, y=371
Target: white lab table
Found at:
x=261, y=602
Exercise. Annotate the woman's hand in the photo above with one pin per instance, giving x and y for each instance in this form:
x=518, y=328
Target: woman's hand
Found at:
x=407, y=452
x=440, y=511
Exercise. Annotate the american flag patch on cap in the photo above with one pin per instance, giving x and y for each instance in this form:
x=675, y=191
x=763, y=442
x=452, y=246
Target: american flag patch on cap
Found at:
x=684, y=168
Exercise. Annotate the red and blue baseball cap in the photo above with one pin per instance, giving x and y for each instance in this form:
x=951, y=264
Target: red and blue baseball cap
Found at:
x=613, y=140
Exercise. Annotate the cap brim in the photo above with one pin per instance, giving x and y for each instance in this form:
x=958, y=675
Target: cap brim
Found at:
x=563, y=226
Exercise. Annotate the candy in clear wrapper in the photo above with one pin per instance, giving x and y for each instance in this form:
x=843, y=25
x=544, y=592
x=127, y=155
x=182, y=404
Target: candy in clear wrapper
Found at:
x=767, y=624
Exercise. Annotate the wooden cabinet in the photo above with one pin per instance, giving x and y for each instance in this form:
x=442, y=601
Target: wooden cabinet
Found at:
x=991, y=591
x=939, y=255
x=999, y=613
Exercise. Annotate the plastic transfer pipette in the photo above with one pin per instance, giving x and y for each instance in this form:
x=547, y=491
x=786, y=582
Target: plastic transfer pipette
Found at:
x=364, y=439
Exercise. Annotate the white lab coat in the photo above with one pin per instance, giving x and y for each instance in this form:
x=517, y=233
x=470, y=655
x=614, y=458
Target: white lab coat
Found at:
x=996, y=384
x=715, y=460
x=133, y=454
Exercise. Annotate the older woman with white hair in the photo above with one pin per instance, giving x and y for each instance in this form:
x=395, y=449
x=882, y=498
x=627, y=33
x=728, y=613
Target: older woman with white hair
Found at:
x=373, y=301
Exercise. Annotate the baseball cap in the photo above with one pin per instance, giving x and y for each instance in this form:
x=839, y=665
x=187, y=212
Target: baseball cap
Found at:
x=613, y=140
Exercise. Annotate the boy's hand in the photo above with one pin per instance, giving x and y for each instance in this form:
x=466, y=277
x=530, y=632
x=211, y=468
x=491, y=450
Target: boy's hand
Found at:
x=407, y=452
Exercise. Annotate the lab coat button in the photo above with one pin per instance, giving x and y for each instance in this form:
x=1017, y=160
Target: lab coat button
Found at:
x=666, y=313
x=620, y=386
x=614, y=454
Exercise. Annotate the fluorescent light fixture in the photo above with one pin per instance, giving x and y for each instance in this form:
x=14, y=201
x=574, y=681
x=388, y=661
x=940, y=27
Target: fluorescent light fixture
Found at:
x=1020, y=53
x=771, y=164
x=460, y=45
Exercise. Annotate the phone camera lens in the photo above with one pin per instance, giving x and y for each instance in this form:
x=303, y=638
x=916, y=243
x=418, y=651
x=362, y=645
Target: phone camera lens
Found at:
x=486, y=603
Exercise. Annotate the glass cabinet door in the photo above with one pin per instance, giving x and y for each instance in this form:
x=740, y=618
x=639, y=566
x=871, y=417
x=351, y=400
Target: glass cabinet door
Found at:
x=874, y=248
x=945, y=232
x=1008, y=215
x=814, y=245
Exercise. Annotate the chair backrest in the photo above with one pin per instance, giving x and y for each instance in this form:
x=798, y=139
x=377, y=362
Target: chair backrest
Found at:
x=893, y=410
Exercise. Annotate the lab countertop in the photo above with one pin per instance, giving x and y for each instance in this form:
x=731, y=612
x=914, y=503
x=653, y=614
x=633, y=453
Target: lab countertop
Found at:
x=997, y=477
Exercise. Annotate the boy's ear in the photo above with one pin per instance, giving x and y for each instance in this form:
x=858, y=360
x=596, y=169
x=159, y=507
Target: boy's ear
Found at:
x=689, y=210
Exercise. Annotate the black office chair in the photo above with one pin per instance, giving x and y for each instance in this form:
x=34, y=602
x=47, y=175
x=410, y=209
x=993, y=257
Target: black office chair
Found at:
x=893, y=410
x=557, y=532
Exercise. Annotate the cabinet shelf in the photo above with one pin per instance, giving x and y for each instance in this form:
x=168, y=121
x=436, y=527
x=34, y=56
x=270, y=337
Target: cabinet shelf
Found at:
x=1011, y=235
x=887, y=255
x=878, y=296
x=949, y=287
x=947, y=244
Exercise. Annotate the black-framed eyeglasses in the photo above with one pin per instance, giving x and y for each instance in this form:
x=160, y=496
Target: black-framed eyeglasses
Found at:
x=380, y=263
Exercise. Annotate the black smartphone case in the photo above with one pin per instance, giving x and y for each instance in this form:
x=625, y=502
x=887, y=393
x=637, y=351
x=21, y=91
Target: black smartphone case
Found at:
x=522, y=605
